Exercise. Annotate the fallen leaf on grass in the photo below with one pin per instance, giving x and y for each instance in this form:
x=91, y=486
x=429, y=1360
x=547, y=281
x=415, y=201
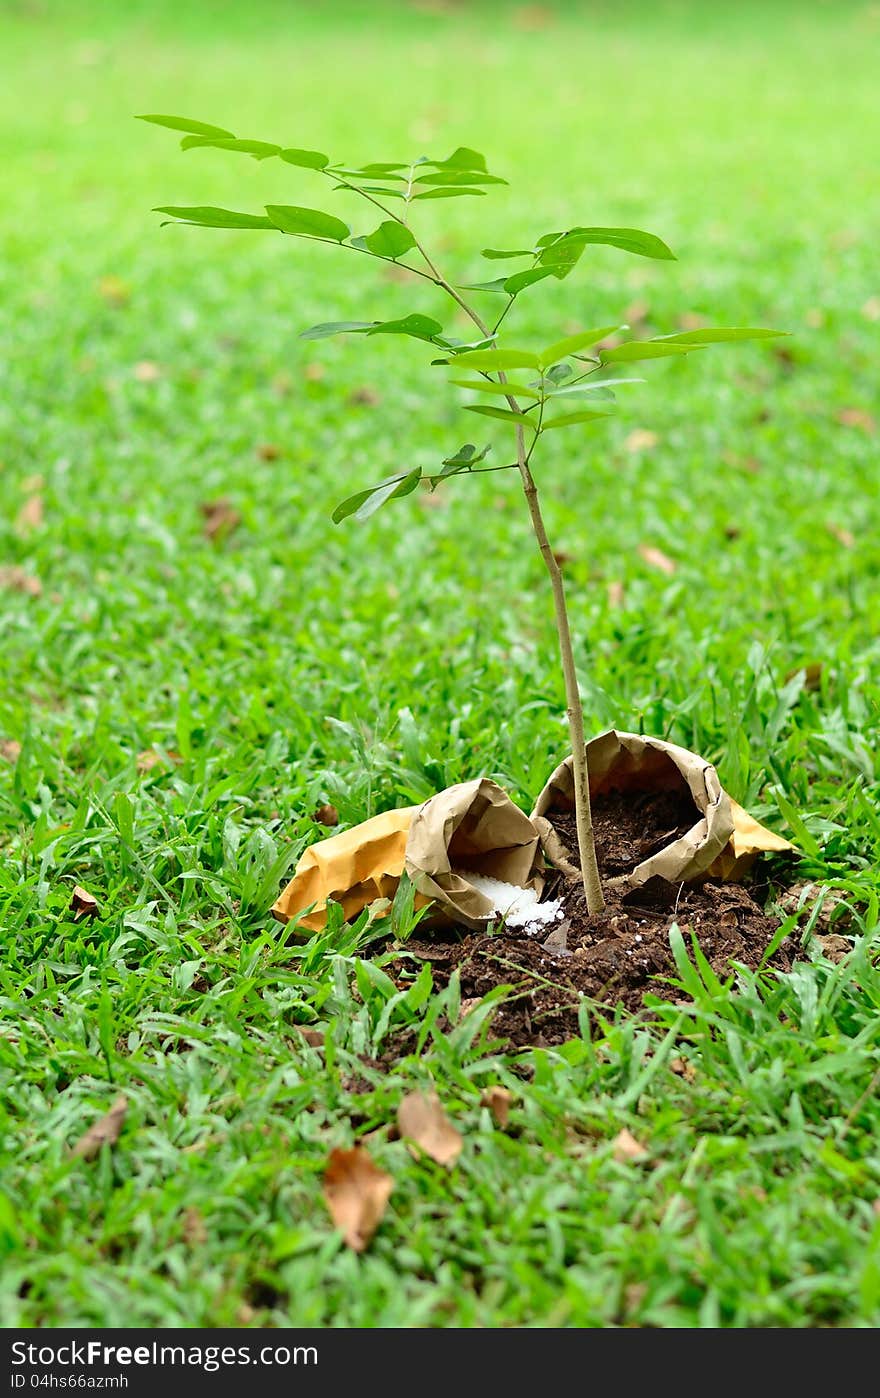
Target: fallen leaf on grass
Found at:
x=363, y=398
x=691, y=320
x=871, y=308
x=835, y=947
x=104, y=1132
x=732, y=531
x=84, y=904
x=15, y=579
x=468, y=1004
x=637, y=313
x=640, y=440
x=683, y=1068
x=150, y=758
x=30, y=516
x=326, y=815
x=147, y=371
x=313, y=1034
x=221, y=518
x=357, y=1193
x=498, y=1100
x=812, y=674
x=843, y=536
x=267, y=451
x=115, y=291
x=421, y=1118
x=192, y=1226
x=626, y=1147
x=531, y=18
x=656, y=558
x=314, y=373
x=616, y=594
x=10, y=749
x=858, y=417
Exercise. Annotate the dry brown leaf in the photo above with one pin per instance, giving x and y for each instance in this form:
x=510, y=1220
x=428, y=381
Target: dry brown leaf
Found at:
x=30, y=516
x=326, y=815
x=498, y=1100
x=314, y=373
x=812, y=674
x=616, y=594
x=858, y=417
x=422, y=1120
x=557, y=941
x=691, y=320
x=561, y=558
x=10, y=749
x=843, y=536
x=835, y=947
x=150, y=758
x=871, y=308
x=357, y=1194
x=192, y=1226
x=147, y=371
x=17, y=580
x=313, y=1034
x=115, y=291
x=640, y=439
x=84, y=904
x=268, y=451
x=626, y=1147
x=365, y=397
x=468, y=1004
x=104, y=1132
x=636, y=314
x=656, y=558
x=684, y=1068
x=732, y=531
x=221, y=518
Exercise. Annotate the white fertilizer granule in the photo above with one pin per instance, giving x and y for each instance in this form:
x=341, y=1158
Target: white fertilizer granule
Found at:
x=518, y=906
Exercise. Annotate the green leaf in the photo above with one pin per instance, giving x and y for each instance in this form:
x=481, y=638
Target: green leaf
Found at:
x=346, y=173
x=520, y=280
x=336, y=327
x=718, y=335
x=308, y=159
x=197, y=128
x=418, y=326
x=498, y=285
x=463, y=158
x=490, y=359
x=307, y=223
x=503, y=389
x=601, y=387
x=466, y=455
x=445, y=192
x=374, y=189
x=366, y=502
x=260, y=150
x=456, y=177
x=506, y=414
x=628, y=239
x=570, y=419
x=642, y=349
x=206, y=216
x=561, y=349
x=497, y=253
x=389, y=240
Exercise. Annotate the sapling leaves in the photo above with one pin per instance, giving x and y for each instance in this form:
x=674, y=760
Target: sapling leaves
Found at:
x=417, y=326
x=561, y=349
x=307, y=223
x=207, y=216
x=571, y=419
x=307, y=159
x=519, y=390
x=520, y=280
x=488, y=360
x=366, y=502
x=463, y=158
x=459, y=177
x=196, y=128
x=390, y=239
x=336, y=327
x=505, y=414
x=496, y=254
x=444, y=192
x=260, y=150
x=718, y=335
x=466, y=455
x=643, y=349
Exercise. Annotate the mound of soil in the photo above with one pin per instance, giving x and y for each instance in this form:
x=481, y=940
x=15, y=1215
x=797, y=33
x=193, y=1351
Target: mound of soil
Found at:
x=613, y=957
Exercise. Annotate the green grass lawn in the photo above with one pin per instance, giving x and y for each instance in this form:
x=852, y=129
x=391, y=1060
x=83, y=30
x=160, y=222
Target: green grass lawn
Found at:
x=146, y=373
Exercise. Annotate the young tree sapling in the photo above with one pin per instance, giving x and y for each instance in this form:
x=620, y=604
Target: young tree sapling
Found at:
x=531, y=392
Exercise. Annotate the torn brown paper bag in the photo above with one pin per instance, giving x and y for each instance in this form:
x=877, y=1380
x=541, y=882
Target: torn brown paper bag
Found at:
x=473, y=827
x=722, y=843
x=353, y=868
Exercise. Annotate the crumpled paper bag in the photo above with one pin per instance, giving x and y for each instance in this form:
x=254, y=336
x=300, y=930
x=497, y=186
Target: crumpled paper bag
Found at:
x=472, y=826
x=723, y=841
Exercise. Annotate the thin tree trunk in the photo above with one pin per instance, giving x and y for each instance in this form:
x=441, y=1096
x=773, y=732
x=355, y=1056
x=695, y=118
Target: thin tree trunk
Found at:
x=574, y=709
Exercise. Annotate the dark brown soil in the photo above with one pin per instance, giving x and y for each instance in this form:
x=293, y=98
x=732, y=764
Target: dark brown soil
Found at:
x=616, y=956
